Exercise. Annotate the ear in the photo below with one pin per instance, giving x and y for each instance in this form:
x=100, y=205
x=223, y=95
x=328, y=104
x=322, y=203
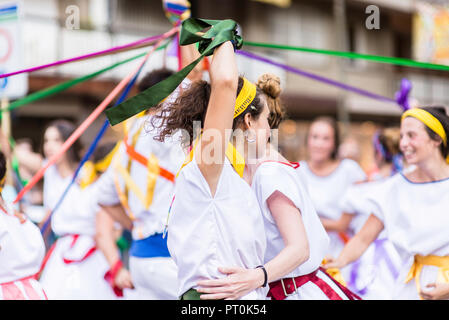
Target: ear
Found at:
x=247, y=120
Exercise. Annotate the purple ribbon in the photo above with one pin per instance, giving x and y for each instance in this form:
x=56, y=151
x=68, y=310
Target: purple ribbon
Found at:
x=379, y=254
x=83, y=57
x=403, y=93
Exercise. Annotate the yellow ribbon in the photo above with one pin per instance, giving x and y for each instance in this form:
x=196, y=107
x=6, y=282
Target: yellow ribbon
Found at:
x=245, y=97
x=420, y=261
x=152, y=172
x=429, y=120
x=236, y=159
x=91, y=170
x=2, y=182
x=335, y=273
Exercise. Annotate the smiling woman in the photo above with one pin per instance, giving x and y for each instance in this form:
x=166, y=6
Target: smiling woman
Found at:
x=412, y=207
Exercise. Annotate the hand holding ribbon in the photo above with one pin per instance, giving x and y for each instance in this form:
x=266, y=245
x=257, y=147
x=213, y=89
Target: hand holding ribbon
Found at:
x=192, y=29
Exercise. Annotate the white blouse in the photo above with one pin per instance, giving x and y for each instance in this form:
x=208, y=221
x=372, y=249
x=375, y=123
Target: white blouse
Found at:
x=22, y=248
x=327, y=193
x=274, y=176
x=76, y=213
x=416, y=220
x=206, y=232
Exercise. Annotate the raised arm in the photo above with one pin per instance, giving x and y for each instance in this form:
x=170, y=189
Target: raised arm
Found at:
x=219, y=115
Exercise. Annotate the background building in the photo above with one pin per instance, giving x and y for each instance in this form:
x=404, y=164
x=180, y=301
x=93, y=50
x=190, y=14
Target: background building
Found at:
x=323, y=24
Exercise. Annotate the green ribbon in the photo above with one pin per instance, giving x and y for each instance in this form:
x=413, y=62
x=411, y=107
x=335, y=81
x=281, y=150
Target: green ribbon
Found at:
x=68, y=84
x=219, y=32
x=353, y=55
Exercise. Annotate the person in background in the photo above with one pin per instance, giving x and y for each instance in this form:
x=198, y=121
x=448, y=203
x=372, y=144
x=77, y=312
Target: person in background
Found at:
x=21, y=251
x=327, y=179
x=412, y=208
x=373, y=275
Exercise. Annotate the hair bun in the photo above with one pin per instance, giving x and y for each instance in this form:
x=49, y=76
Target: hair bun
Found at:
x=270, y=84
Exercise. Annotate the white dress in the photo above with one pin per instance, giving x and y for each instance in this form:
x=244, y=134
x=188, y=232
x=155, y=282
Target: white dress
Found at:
x=74, y=269
x=416, y=222
x=154, y=277
x=205, y=232
x=273, y=176
x=22, y=250
x=373, y=275
x=327, y=193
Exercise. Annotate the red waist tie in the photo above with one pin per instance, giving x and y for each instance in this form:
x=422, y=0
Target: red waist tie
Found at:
x=280, y=289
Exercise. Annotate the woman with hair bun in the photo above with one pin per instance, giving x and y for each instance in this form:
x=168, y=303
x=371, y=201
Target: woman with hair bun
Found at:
x=412, y=208
x=215, y=226
x=296, y=239
x=328, y=178
x=21, y=251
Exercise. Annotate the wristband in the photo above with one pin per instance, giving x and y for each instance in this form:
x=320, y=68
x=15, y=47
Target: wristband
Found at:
x=265, y=276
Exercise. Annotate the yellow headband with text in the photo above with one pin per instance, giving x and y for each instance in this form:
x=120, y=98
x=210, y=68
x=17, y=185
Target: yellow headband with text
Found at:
x=245, y=97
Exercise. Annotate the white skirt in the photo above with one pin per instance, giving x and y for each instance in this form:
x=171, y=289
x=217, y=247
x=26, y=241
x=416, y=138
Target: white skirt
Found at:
x=78, y=280
x=153, y=279
x=24, y=289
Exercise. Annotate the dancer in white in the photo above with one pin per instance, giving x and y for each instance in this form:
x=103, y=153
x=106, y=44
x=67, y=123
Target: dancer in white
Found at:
x=327, y=179
x=412, y=209
x=296, y=239
x=373, y=275
x=21, y=252
x=73, y=267
x=214, y=219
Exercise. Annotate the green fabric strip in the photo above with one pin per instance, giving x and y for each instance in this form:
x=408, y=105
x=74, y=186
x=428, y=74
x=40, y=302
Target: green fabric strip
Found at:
x=68, y=84
x=191, y=294
x=352, y=55
x=219, y=32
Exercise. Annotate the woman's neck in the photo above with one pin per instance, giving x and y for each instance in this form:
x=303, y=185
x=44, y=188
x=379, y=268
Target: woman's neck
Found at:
x=385, y=169
x=324, y=167
x=65, y=168
x=434, y=169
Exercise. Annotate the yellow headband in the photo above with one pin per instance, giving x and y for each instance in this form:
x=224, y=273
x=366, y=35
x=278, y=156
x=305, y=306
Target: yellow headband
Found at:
x=429, y=120
x=245, y=97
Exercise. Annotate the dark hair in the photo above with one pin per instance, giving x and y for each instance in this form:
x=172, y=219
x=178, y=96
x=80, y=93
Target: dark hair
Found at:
x=153, y=77
x=2, y=165
x=334, y=125
x=65, y=129
x=389, y=139
x=191, y=106
x=439, y=113
x=271, y=87
x=102, y=151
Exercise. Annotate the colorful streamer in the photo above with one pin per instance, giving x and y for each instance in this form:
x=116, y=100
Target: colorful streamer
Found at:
x=353, y=55
x=133, y=45
x=79, y=131
x=68, y=84
x=326, y=80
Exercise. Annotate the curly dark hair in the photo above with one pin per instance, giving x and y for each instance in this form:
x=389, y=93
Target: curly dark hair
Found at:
x=191, y=106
